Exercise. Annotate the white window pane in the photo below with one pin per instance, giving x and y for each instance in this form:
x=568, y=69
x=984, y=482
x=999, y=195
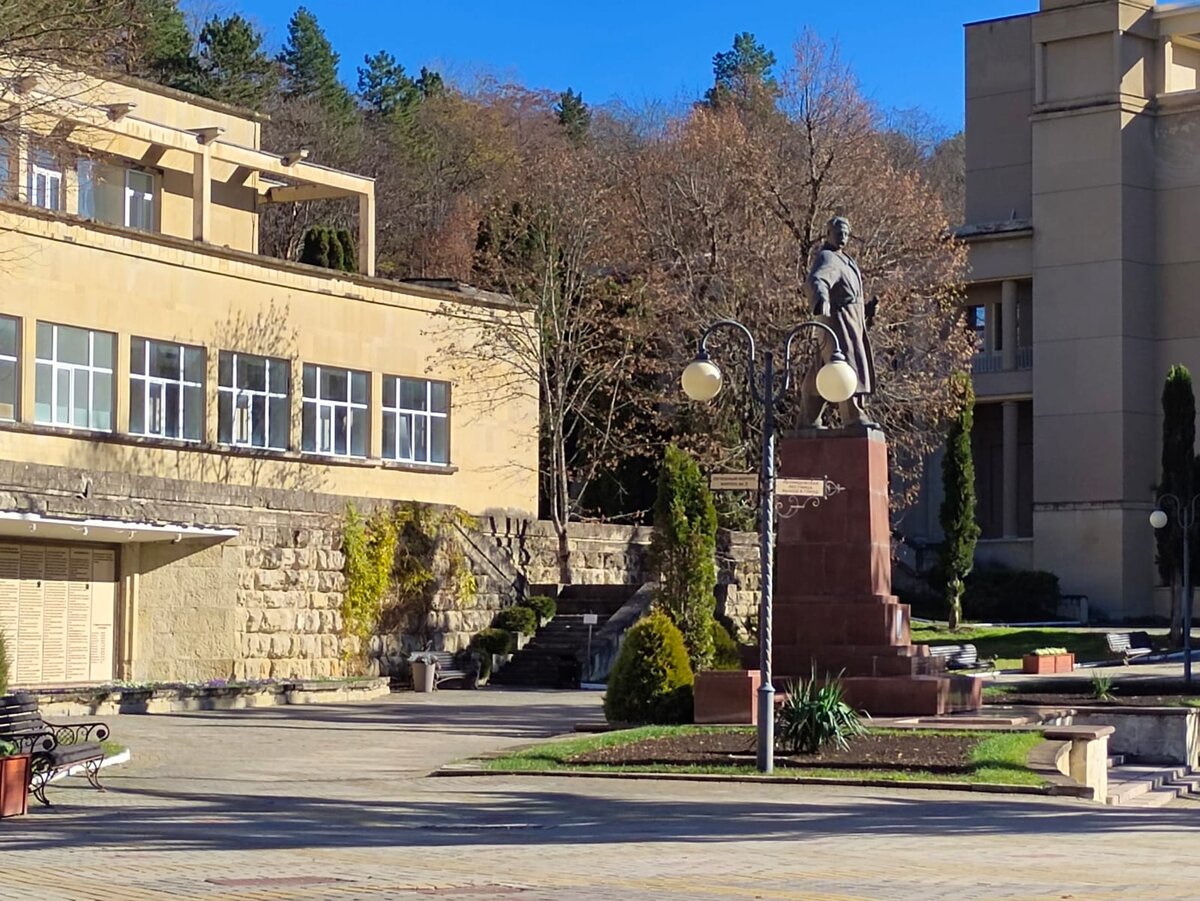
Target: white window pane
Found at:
x=102, y=348
x=258, y=420
x=137, y=406
x=81, y=398
x=172, y=414
x=225, y=369
x=193, y=413
x=280, y=410
x=412, y=394
x=439, y=397
x=251, y=372
x=62, y=400
x=389, y=391
x=439, y=440
x=334, y=384
x=45, y=341
x=308, y=428
x=404, y=436
x=72, y=346
x=193, y=364
x=341, y=431
x=389, y=436
x=358, y=433
x=43, y=393
x=310, y=381
x=8, y=390
x=421, y=439
x=358, y=387
x=101, y=408
x=225, y=417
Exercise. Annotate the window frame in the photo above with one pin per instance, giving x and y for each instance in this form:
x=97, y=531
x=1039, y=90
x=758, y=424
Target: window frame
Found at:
x=321, y=405
x=149, y=382
x=86, y=170
x=53, y=167
x=235, y=393
x=15, y=359
x=397, y=409
x=91, y=368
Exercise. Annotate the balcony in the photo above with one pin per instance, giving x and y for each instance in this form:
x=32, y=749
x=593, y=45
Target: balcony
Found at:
x=993, y=361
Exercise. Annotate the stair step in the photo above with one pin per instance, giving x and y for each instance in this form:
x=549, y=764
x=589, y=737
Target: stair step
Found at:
x=1115, y=760
x=1128, y=784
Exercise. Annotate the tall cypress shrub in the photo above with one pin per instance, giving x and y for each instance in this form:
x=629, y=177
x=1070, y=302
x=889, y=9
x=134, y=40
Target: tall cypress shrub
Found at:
x=683, y=550
x=349, y=251
x=957, y=515
x=337, y=256
x=1177, y=478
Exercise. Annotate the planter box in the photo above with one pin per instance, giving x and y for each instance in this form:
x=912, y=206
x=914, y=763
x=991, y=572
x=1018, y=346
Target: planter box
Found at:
x=1035, y=664
x=14, y=785
x=726, y=697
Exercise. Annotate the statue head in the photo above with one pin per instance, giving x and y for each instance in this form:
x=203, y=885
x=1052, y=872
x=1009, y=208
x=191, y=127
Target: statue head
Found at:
x=839, y=232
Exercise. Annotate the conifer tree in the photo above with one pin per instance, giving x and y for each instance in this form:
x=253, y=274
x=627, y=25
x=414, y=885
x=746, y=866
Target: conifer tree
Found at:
x=157, y=44
x=384, y=86
x=1177, y=478
x=232, y=66
x=742, y=75
x=311, y=64
x=957, y=515
x=573, y=114
x=683, y=550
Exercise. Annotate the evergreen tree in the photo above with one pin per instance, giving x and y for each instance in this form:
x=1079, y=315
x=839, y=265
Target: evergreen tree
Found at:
x=957, y=516
x=233, y=66
x=1177, y=478
x=385, y=88
x=157, y=44
x=311, y=66
x=573, y=114
x=683, y=549
x=430, y=83
x=743, y=75
x=315, y=251
x=349, y=251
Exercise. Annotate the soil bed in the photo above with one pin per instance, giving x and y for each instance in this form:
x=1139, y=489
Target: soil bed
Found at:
x=1058, y=699
x=929, y=753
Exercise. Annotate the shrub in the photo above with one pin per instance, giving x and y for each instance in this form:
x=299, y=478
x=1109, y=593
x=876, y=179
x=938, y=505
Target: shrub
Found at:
x=814, y=716
x=1016, y=595
x=725, y=649
x=493, y=641
x=683, y=550
x=1102, y=687
x=516, y=619
x=651, y=682
x=3, y=666
x=543, y=607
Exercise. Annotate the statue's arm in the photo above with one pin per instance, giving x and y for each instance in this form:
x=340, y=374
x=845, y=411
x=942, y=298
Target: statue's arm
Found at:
x=824, y=276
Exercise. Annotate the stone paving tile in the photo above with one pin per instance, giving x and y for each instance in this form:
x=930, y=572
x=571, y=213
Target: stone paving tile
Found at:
x=272, y=805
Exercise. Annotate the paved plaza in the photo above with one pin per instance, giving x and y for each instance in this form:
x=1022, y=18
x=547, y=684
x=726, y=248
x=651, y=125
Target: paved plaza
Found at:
x=334, y=802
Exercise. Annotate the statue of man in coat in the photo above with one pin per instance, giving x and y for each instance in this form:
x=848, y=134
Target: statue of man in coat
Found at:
x=836, y=288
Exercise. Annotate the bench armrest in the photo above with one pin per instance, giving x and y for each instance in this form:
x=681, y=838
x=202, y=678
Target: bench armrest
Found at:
x=78, y=733
x=34, y=741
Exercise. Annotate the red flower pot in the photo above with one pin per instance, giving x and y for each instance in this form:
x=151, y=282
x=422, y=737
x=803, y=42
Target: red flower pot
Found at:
x=14, y=785
x=1038, y=664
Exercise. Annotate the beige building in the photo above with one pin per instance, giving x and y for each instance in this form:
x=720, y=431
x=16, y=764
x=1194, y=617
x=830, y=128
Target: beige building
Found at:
x=1083, y=211
x=182, y=421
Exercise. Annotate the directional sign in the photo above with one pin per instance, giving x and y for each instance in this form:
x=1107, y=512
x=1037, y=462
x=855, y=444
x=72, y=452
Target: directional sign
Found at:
x=591, y=619
x=800, y=487
x=734, y=481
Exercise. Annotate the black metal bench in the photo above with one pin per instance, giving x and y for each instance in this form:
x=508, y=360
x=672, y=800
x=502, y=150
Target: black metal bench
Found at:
x=959, y=656
x=448, y=670
x=1129, y=645
x=54, y=748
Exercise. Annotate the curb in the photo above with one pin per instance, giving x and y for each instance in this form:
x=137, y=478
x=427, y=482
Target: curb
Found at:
x=77, y=769
x=1052, y=790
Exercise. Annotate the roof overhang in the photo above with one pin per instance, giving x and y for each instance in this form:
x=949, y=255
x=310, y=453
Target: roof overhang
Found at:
x=115, y=531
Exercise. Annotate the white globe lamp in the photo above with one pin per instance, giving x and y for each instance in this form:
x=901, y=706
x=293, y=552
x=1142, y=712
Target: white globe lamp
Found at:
x=1158, y=519
x=837, y=380
x=701, y=379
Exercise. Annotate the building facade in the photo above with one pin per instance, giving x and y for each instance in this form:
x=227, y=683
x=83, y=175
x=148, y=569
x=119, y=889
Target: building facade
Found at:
x=183, y=422
x=1083, y=210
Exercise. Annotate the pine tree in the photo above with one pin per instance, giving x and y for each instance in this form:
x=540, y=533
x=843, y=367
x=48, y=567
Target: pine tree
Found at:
x=385, y=88
x=683, y=549
x=573, y=114
x=743, y=75
x=1177, y=478
x=157, y=44
x=233, y=67
x=430, y=83
x=957, y=515
x=311, y=67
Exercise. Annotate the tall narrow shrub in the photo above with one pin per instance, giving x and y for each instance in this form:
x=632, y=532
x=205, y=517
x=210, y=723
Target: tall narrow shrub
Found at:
x=651, y=682
x=315, y=250
x=683, y=550
x=957, y=515
x=3, y=666
x=349, y=251
x=1177, y=478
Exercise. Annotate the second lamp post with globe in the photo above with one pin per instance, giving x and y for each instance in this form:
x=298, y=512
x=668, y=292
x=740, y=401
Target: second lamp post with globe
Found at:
x=836, y=383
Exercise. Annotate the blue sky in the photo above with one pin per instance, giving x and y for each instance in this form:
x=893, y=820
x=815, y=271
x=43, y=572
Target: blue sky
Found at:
x=908, y=53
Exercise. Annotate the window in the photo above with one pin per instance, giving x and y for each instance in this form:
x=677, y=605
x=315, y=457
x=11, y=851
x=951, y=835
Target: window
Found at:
x=5, y=169
x=73, y=384
x=416, y=420
x=116, y=195
x=253, y=401
x=166, y=390
x=45, y=180
x=335, y=411
x=977, y=322
x=9, y=353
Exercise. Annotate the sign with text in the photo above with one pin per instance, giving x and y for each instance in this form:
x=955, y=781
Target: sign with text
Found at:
x=800, y=487
x=591, y=619
x=734, y=481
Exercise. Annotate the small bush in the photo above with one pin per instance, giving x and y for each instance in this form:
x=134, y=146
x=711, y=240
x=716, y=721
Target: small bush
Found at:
x=1016, y=595
x=725, y=649
x=1049, y=652
x=543, y=607
x=1102, y=687
x=516, y=619
x=814, y=716
x=3, y=666
x=493, y=641
x=651, y=682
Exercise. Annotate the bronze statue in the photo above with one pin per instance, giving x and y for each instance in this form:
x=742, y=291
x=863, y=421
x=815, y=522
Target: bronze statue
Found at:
x=835, y=285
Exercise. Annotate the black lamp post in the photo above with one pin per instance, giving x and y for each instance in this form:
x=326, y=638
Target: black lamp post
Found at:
x=1185, y=516
x=836, y=382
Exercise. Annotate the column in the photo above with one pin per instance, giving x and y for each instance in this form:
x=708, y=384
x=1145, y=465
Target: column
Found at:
x=1009, y=477
x=202, y=196
x=366, y=234
x=1008, y=324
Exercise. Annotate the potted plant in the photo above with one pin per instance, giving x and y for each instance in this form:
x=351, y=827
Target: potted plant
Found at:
x=424, y=670
x=1048, y=660
x=14, y=765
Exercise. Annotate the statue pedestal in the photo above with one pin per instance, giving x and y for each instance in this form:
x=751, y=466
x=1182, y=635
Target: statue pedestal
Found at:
x=834, y=610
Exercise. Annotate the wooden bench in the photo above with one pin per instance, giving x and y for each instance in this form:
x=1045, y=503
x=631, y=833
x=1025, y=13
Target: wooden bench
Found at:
x=1129, y=645
x=447, y=670
x=54, y=748
x=959, y=656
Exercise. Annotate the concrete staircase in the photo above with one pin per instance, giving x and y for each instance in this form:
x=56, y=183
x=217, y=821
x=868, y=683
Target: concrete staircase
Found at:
x=553, y=657
x=1147, y=785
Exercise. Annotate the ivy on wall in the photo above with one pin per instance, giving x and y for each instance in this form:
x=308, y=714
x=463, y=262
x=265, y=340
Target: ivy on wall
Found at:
x=370, y=549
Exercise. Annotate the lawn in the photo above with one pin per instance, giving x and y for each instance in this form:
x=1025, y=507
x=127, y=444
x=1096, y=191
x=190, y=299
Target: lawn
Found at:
x=1008, y=644
x=999, y=758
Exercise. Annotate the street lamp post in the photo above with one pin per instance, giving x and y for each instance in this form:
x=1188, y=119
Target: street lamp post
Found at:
x=1185, y=516
x=836, y=382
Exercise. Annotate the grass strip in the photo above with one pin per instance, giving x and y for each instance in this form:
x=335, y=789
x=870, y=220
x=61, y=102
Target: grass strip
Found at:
x=1009, y=644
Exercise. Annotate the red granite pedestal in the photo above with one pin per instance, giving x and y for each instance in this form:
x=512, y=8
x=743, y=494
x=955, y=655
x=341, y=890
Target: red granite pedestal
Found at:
x=834, y=610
